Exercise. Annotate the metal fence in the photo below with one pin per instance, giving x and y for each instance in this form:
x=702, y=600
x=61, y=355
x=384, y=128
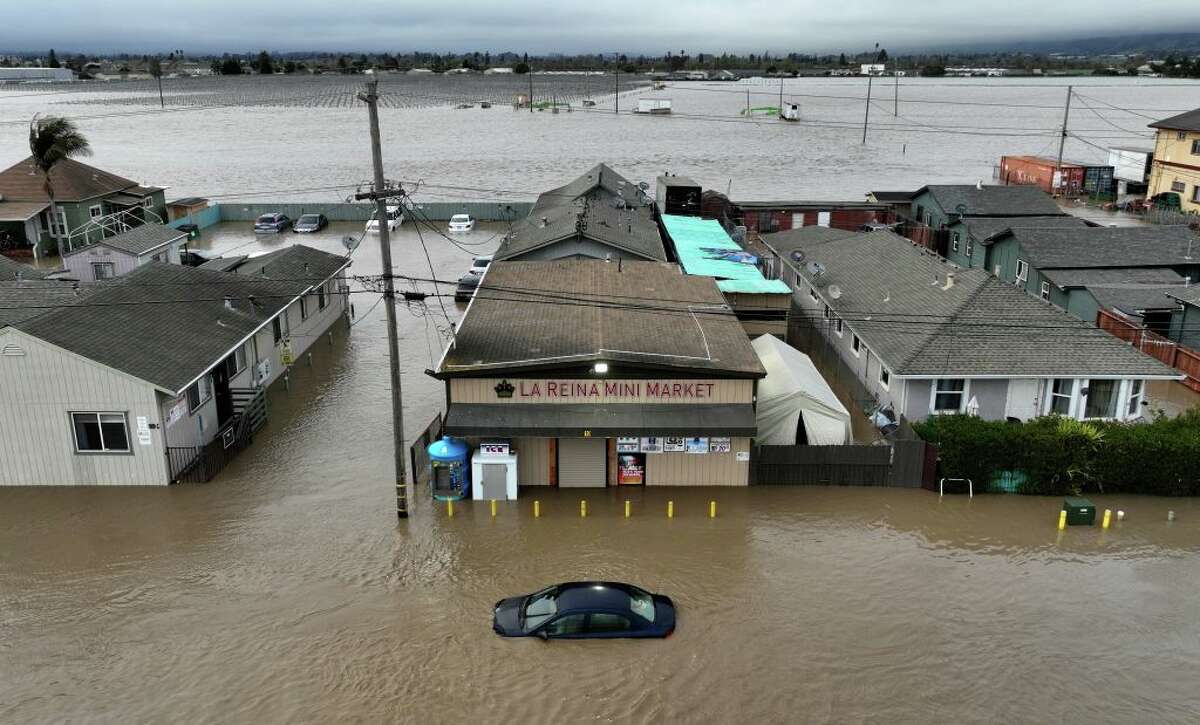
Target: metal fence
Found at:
x=903, y=464
x=418, y=452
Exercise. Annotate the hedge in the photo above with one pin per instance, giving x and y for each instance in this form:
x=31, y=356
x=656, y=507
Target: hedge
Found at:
x=1060, y=456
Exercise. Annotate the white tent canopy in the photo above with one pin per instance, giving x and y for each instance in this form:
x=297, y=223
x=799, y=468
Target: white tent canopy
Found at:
x=794, y=390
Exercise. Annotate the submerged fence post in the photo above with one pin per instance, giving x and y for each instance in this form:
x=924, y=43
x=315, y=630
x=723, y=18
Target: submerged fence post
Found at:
x=1062, y=520
x=583, y=509
x=537, y=509
x=627, y=508
x=670, y=509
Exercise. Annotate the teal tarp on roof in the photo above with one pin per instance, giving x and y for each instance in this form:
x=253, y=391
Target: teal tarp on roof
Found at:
x=704, y=249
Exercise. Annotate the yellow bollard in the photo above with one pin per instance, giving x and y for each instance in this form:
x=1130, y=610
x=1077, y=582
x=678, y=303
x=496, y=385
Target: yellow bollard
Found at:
x=582, y=509
x=450, y=508
x=626, y=508
x=670, y=509
x=712, y=509
x=537, y=509
x=1107, y=518
x=493, y=508
x=1062, y=520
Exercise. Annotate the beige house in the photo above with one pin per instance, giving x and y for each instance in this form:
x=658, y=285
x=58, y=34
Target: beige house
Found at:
x=1176, y=166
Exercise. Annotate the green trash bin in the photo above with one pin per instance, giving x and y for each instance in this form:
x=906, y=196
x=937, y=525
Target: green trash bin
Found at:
x=1080, y=511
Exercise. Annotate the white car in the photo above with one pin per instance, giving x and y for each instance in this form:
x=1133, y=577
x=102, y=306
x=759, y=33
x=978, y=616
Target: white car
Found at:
x=462, y=223
x=479, y=264
x=395, y=217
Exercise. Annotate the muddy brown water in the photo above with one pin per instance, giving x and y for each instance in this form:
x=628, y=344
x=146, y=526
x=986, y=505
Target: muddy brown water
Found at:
x=286, y=591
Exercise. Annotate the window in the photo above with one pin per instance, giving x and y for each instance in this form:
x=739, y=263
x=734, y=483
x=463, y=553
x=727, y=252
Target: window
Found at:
x=103, y=270
x=837, y=326
x=856, y=346
x=1022, y=270
x=1062, y=390
x=812, y=293
x=604, y=622
x=1196, y=147
x=885, y=378
x=1181, y=135
x=148, y=202
x=949, y=395
x=58, y=224
x=954, y=242
x=1178, y=186
x=303, y=308
x=199, y=393
x=1136, y=391
x=567, y=625
x=642, y=604
x=1101, y=397
x=236, y=362
x=321, y=301
x=1196, y=193
x=278, y=328
x=541, y=606
x=100, y=432
x=969, y=247
x=1046, y=290
x=95, y=211
x=828, y=313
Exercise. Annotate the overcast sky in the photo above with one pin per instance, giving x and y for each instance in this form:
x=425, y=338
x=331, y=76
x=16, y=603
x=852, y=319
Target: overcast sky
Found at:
x=568, y=26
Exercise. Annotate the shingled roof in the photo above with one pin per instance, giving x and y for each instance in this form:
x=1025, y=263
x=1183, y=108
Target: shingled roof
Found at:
x=983, y=228
x=1189, y=121
x=10, y=269
x=1092, y=247
x=600, y=205
x=528, y=315
x=167, y=324
x=73, y=181
x=894, y=296
x=27, y=299
x=139, y=240
x=995, y=201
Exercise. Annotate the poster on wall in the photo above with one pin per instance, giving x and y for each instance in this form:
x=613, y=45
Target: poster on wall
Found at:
x=718, y=445
x=697, y=445
x=629, y=445
x=652, y=445
x=177, y=411
x=631, y=469
x=674, y=445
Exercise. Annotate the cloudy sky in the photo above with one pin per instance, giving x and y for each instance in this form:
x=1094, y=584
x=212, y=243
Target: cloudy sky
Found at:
x=543, y=26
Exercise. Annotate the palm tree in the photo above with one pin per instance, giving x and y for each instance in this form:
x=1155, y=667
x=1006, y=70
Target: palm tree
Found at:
x=52, y=139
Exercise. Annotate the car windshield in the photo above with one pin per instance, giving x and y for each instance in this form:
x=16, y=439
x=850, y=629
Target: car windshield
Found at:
x=641, y=604
x=309, y=219
x=459, y=218
x=266, y=219
x=539, y=607
x=481, y=262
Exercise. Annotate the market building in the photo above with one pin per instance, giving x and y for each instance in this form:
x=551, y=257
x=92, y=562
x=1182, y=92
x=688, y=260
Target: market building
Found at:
x=598, y=374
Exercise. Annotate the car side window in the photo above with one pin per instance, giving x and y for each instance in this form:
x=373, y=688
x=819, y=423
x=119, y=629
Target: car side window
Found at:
x=566, y=625
x=603, y=622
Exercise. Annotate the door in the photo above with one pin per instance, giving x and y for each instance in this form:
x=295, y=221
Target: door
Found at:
x=221, y=394
x=582, y=462
x=495, y=479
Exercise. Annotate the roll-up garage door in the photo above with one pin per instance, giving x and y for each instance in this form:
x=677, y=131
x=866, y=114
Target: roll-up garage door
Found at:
x=581, y=462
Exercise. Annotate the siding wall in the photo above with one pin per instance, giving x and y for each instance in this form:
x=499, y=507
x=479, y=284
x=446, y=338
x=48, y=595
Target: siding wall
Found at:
x=39, y=389
x=533, y=461
x=80, y=263
x=693, y=469
x=570, y=248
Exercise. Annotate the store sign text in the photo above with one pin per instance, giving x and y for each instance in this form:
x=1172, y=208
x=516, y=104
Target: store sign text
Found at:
x=640, y=389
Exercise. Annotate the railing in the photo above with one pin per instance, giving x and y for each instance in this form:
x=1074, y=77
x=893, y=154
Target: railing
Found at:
x=1155, y=345
x=418, y=452
x=200, y=464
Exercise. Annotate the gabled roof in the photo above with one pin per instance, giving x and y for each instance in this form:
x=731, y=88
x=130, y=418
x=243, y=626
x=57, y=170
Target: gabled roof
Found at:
x=297, y=263
x=139, y=240
x=25, y=300
x=992, y=200
x=983, y=228
x=802, y=239
x=891, y=197
x=529, y=315
x=1094, y=247
x=19, y=211
x=601, y=205
x=166, y=323
x=1114, y=276
x=894, y=296
x=1134, y=299
x=11, y=268
x=1189, y=121
x=73, y=181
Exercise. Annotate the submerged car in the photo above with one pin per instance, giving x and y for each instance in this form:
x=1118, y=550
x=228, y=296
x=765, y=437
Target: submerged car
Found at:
x=585, y=610
x=310, y=223
x=467, y=284
x=395, y=217
x=479, y=264
x=462, y=223
x=271, y=223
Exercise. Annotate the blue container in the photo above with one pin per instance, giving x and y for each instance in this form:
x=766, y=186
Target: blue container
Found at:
x=449, y=469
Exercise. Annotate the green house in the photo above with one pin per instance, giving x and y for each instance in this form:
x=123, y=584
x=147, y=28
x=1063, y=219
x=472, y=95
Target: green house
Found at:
x=937, y=205
x=1185, y=327
x=968, y=236
x=91, y=204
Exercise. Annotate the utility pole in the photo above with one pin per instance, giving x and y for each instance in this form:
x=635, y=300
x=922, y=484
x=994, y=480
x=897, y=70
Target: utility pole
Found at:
x=380, y=193
x=747, y=101
x=161, y=103
x=531, y=89
x=867, y=116
x=1062, y=142
x=780, y=95
x=896, y=105
x=617, y=91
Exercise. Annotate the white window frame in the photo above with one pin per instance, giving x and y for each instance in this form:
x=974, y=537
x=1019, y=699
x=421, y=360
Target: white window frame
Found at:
x=885, y=378
x=103, y=448
x=148, y=202
x=95, y=211
x=1081, y=408
x=322, y=297
x=965, y=394
x=1045, y=293
x=839, y=327
x=954, y=241
x=1196, y=193
x=239, y=361
x=813, y=293
x=1133, y=401
x=304, y=308
x=1022, y=273
x=111, y=267
x=856, y=346
x=1178, y=186
x=1072, y=397
x=204, y=393
x=969, y=247
x=58, y=231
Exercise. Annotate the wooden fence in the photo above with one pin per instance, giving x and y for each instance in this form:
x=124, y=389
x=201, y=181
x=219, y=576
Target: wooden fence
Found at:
x=903, y=464
x=1183, y=359
x=418, y=452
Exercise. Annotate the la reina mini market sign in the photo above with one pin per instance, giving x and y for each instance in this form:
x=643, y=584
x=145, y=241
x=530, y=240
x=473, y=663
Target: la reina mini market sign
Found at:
x=599, y=391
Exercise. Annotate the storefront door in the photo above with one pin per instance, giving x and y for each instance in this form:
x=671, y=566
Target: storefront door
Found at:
x=582, y=462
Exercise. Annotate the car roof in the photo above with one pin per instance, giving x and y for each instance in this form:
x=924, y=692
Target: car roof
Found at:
x=573, y=596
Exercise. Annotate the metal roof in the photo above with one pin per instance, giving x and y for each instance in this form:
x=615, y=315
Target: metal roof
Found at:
x=704, y=249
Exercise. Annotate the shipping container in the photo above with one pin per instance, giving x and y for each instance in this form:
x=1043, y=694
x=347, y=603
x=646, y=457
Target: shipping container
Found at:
x=1131, y=164
x=1040, y=172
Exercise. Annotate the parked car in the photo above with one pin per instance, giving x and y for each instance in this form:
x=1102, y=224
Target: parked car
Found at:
x=467, y=284
x=310, y=223
x=195, y=257
x=271, y=223
x=479, y=264
x=585, y=610
x=461, y=223
x=395, y=217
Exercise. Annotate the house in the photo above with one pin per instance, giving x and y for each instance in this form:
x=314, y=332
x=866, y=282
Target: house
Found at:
x=622, y=372
x=600, y=215
x=873, y=69
x=770, y=216
x=966, y=246
x=1176, y=165
x=926, y=338
x=158, y=375
x=934, y=207
x=1142, y=295
x=1185, y=327
x=85, y=197
x=704, y=249
x=114, y=256
x=186, y=207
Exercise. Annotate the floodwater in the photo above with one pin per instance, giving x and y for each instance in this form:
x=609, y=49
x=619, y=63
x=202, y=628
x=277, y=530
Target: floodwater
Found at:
x=286, y=591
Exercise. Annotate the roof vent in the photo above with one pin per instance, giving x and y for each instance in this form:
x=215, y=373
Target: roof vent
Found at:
x=228, y=302
x=545, y=222
x=11, y=350
x=949, y=281
x=979, y=185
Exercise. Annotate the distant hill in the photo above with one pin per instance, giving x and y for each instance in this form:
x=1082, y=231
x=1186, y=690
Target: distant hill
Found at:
x=1154, y=44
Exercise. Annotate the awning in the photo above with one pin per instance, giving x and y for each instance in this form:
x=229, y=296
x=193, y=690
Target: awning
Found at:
x=601, y=421
x=19, y=211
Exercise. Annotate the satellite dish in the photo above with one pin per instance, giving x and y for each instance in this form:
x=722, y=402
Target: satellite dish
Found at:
x=643, y=185
x=816, y=269
x=835, y=292
x=350, y=243
x=797, y=256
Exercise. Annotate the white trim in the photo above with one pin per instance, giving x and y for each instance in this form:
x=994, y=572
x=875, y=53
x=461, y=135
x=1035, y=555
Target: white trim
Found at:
x=1045, y=291
x=102, y=450
x=1022, y=276
x=962, y=406
x=885, y=384
x=82, y=358
x=856, y=345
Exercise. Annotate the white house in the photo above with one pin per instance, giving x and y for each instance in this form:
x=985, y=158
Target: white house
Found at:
x=158, y=375
x=124, y=252
x=927, y=338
